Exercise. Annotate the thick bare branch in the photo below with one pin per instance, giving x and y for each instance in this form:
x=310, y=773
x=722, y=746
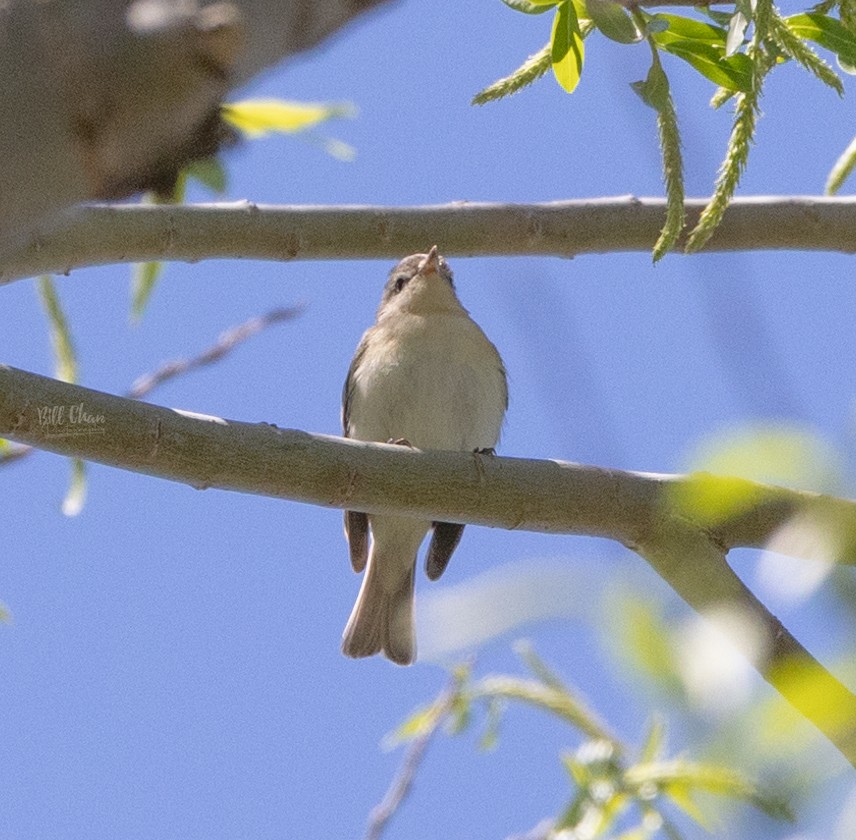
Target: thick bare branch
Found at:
x=97, y=235
x=645, y=512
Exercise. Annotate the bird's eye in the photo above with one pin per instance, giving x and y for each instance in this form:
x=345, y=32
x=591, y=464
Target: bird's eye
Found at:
x=401, y=282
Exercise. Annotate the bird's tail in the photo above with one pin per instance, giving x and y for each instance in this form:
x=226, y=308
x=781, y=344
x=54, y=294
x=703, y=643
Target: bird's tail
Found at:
x=382, y=618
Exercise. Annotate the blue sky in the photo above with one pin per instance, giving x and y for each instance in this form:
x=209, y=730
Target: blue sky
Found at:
x=172, y=668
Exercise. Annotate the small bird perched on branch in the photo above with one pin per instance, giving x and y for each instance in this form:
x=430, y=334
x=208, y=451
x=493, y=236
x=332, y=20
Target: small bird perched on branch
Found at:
x=426, y=376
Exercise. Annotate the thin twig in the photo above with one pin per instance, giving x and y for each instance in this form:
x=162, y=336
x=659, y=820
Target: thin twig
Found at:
x=145, y=384
x=401, y=784
x=224, y=345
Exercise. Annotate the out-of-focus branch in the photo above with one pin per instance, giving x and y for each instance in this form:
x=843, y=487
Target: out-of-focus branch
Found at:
x=648, y=513
x=97, y=235
x=101, y=98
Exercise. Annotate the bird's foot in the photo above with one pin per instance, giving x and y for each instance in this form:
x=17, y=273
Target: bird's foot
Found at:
x=400, y=442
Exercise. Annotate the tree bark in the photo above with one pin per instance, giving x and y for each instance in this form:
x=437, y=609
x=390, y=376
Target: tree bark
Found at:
x=137, y=233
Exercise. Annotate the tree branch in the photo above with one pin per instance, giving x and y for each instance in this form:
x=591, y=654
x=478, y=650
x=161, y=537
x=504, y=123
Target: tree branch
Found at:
x=647, y=513
x=96, y=235
x=117, y=96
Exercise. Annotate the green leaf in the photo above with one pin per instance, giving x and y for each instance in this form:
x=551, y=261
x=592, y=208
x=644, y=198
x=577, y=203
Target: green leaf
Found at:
x=144, y=277
x=639, y=634
x=209, y=172
x=259, y=117
x=828, y=32
x=653, y=746
x=612, y=20
x=530, y=7
x=490, y=737
x=75, y=496
x=567, y=51
x=683, y=799
x=686, y=29
x=736, y=32
x=721, y=18
x=65, y=359
x=654, y=91
x=772, y=453
x=734, y=72
x=66, y=370
x=793, y=46
x=420, y=723
x=679, y=778
x=842, y=169
x=847, y=13
x=532, y=69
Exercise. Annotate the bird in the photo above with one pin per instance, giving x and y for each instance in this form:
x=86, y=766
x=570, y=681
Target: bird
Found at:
x=426, y=376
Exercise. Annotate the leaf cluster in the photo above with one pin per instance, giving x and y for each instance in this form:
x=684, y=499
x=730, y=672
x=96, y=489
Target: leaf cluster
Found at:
x=734, y=50
x=615, y=792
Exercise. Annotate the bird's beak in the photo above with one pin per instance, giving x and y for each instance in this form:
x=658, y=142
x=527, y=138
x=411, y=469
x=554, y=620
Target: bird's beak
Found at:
x=431, y=262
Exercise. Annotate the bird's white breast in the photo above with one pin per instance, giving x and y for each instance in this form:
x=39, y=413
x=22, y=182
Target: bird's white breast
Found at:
x=433, y=379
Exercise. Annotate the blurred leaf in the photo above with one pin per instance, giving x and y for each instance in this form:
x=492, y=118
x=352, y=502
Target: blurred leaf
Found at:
x=567, y=51
x=144, y=278
x=654, y=740
x=579, y=772
x=258, y=117
x=209, y=172
x=531, y=7
x=638, y=633
x=724, y=470
x=460, y=715
x=75, y=496
x=337, y=149
x=670, y=830
x=842, y=169
x=814, y=694
x=65, y=359
x=532, y=69
x=5, y=614
x=830, y=33
x=563, y=704
x=712, y=499
x=682, y=797
x=612, y=20
x=420, y=723
x=684, y=777
x=490, y=737
x=771, y=453
x=539, y=667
